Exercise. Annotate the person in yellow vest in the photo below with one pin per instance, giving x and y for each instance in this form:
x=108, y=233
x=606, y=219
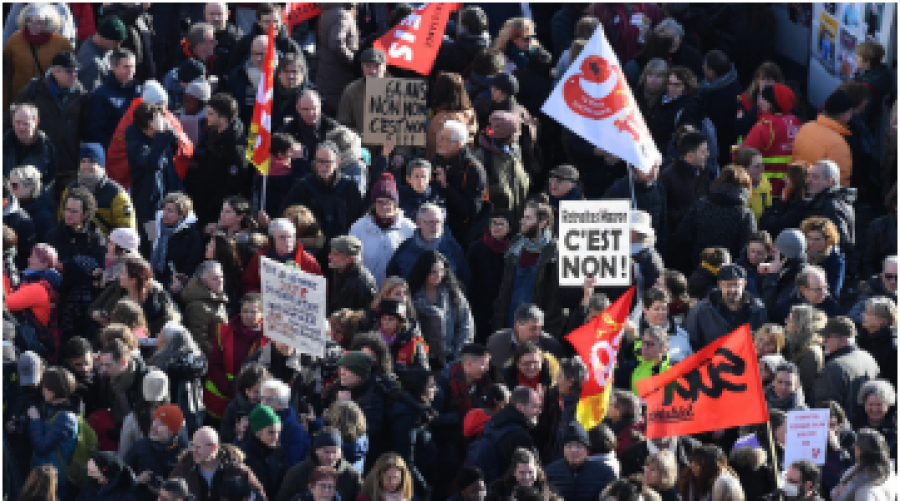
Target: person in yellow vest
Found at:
x=652, y=355
x=761, y=194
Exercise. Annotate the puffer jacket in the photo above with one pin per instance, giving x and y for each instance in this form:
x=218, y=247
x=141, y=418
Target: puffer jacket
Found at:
x=721, y=219
x=55, y=430
x=114, y=206
x=507, y=180
x=378, y=245
x=822, y=139
x=203, y=309
x=41, y=154
x=338, y=41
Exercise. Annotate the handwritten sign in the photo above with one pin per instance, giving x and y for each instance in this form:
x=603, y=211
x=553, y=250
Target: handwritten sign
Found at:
x=293, y=307
x=395, y=109
x=806, y=436
x=594, y=239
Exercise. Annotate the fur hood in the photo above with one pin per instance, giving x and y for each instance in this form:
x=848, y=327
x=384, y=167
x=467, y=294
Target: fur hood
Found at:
x=227, y=454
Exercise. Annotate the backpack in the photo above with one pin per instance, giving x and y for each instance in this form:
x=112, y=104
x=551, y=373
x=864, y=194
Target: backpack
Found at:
x=86, y=445
x=708, y=128
x=482, y=453
x=331, y=209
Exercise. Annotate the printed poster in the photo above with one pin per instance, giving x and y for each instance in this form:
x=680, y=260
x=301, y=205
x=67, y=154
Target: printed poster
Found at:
x=595, y=240
x=826, y=42
x=293, y=307
x=847, y=54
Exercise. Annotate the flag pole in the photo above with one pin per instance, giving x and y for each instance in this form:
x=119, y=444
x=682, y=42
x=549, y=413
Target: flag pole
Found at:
x=263, y=203
x=774, y=454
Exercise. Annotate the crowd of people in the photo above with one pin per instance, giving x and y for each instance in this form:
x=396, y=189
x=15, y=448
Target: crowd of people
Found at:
x=136, y=361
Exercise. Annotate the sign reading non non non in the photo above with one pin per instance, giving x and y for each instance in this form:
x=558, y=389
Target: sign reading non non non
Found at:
x=293, y=307
x=806, y=436
x=395, y=109
x=594, y=240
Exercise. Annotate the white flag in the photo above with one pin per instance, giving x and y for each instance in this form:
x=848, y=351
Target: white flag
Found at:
x=594, y=101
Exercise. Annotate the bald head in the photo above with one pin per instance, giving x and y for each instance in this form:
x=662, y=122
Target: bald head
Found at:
x=205, y=445
x=258, y=51
x=216, y=14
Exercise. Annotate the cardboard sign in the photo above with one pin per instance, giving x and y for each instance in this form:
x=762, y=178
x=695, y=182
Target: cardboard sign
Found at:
x=807, y=436
x=293, y=307
x=594, y=239
x=395, y=109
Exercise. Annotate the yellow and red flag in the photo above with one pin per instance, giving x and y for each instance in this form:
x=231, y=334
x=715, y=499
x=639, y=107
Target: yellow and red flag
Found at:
x=717, y=387
x=597, y=342
x=259, y=148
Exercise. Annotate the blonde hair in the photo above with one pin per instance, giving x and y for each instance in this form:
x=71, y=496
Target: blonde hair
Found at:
x=513, y=28
x=773, y=331
x=668, y=468
x=389, y=460
x=348, y=418
x=389, y=284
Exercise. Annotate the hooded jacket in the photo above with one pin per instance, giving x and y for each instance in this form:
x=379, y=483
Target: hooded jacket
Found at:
x=107, y=106
x=518, y=434
x=49, y=434
x=821, y=139
x=721, y=219
x=36, y=293
x=456, y=55
x=114, y=206
x=705, y=322
x=203, y=309
x=231, y=463
x=24, y=61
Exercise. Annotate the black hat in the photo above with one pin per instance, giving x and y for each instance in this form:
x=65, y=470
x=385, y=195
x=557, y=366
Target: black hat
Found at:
x=371, y=55
x=565, y=172
x=65, y=60
x=506, y=83
x=837, y=103
x=77, y=347
x=731, y=272
x=468, y=475
x=190, y=70
x=473, y=349
x=575, y=432
x=391, y=307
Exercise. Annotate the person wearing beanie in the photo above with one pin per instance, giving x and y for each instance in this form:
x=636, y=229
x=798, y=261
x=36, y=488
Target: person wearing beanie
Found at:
x=178, y=78
x=350, y=284
x=263, y=453
x=109, y=102
x=155, y=392
x=508, y=181
x=824, y=137
x=196, y=96
x=773, y=134
x=779, y=276
x=155, y=456
x=93, y=54
x=108, y=478
x=383, y=228
x=356, y=382
x=326, y=454
x=573, y=476
x=846, y=368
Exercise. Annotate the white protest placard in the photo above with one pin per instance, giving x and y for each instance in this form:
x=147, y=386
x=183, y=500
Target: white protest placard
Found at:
x=807, y=436
x=293, y=307
x=594, y=240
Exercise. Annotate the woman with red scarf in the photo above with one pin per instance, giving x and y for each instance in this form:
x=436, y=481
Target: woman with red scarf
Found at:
x=531, y=367
x=486, y=262
x=29, y=52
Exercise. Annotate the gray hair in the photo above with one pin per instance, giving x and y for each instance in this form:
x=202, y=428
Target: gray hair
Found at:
x=655, y=65
x=261, y=38
x=177, y=340
x=884, y=308
x=658, y=333
x=329, y=145
x=831, y=171
x=418, y=163
x=206, y=266
x=27, y=107
x=197, y=32
x=528, y=312
x=282, y=224
x=598, y=301
x=669, y=24
x=426, y=207
x=282, y=391
x=458, y=132
x=889, y=260
x=668, y=467
x=29, y=175
x=46, y=11
x=802, y=279
x=347, y=141
x=309, y=92
x=881, y=389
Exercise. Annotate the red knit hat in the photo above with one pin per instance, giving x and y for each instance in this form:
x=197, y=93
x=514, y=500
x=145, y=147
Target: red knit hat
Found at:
x=386, y=187
x=780, y=96
x=171, y=416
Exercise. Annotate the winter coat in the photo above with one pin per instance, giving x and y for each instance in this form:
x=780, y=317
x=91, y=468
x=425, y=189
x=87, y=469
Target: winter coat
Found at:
x=94, y=64
x=721, y=107
x=837, y=204
x=761, y=198
x=872, y=287
x=635, y=457
x=777, y=288
x=887, y=428
x=411, y=200
x=158, y=307
x=710, y=319
x=336, y=203
x=158, y=458
x=20, y=222
x=252, y=280
x=23, y=61
x=409, y=251
x=411, y=437
x=186, y=372
x=517, y=435
x=502, y=345
x=507, y=180
x=353, y=288
x=239, y=407
x=379, y=245
x=648, y=197
x=243, y=91
x=465, y=117
x=881, y=242
x=834, y=265
x=880, y=82
x=244, y=341
x=268, y=464
x=822, y=139
x=456, y=56
x=152, y=170
x=72, y=245
x=372, y=402
x=294, y=440
x=684, y=184
x=203, y=309
x=859, y=485
x=844, y=373
x=782, y=308
x=41, y=154
x=49, y=439
x=487, y=273
x=184, y=252
x=665, y=118
x=546, y=295
x=792, y=402
x=222, y=170
x=62, y=115
x=557, y=414
x=309, y=136
x=622, y=33
x=36, y=294
x=882, y=345
x=114, y=206
x=108, y=104
x=446, y=325
x=351, y=109
x=584, y=483
x=283, y=44
x=122, y=487
x=349, y=481
x=230, y=464
x=338, y=41
x=721, y=219
x=809, y=361
x=783, y=215
x=773, y=136
x=139, y=27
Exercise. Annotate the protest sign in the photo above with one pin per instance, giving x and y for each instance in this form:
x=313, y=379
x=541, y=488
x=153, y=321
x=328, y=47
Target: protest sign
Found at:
x=395, y=109
x=594, y=241
x=293, y=307
x=806, y=436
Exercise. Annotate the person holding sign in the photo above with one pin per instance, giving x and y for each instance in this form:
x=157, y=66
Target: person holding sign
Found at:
x=351, y=111
x=285, y=249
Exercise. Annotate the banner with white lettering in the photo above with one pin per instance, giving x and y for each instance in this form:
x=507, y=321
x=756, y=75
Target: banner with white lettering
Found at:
x=806, y=436
x=293, y=307
x=414, y=43
x=594, y=240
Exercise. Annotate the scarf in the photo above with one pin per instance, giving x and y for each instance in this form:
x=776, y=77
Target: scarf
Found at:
x=531, y=383
x=39, y=39
x=497, y=246
x=459, y=389
x=384, y=222
x=426, y=246
x=817, y=257
x=160, y=250
x=530, y=245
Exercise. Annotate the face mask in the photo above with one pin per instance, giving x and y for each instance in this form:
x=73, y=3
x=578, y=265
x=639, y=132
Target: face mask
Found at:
x=790, y=490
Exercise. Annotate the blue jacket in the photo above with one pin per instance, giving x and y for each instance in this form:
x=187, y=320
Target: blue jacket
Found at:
x=294, y=438
x=41, y=211
x=48, y=437
x=152, y=170
x=406, y=255
x=834, y=266
x=584, y=484
x=108, y=105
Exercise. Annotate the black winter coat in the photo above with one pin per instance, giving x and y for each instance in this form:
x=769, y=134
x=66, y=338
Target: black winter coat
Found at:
x=777, y=288
x=456, y=56
x=487, y=274
x=721, y=106
x=412, y=439
x=782, y=215
x=518, y=436
x=583, y=484
x=41, y=211
x=20, y=222
x=186, y=373
x=720, y=219
x=70, y=244
x=268, y=464
x=119, y=488
x=283, y=45
x=632, y=460
x=648, y=197
x=836, y=203
x=309, y=136
x=222, y=170
x=60, y=121
x=684, y=185
x=881, y=242
x=152, y=170
x=337, y=203
x=184, y=252
x=354, y=288
x=158, y=458
x=41, y=154
x=664, y=118
x=882, y=345
x=464, y=195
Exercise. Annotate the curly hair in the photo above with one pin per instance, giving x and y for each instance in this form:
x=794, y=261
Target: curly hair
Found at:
x=88, y=202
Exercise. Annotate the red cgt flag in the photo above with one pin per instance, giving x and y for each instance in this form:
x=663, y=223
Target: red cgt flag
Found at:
x=259, y=139
x=297, y=12
x=413, y=44
x=717, y=387
x=597, y=342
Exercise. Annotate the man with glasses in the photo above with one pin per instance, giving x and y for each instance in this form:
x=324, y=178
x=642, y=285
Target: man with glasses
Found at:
x=262, y=448
x=284, y=248
x=430, y=234
x=882, y=284
x=61, y=102
x=810, y=287
x=847, y=367
x=528, y=326
x=563, y=185
x=309, y=128
x=209, y=464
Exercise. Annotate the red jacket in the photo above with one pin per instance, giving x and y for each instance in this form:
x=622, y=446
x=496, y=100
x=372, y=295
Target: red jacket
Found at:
x=232, y=344
x=773, y=136
x=117, y=167
x=33, y=296
x=83, y=14
x=252, y=281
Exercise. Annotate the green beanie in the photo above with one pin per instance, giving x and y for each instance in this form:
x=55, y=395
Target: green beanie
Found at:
x=357, y=362
x=261, y=417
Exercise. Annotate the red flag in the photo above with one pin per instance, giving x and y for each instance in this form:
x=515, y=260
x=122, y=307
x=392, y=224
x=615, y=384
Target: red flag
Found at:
x=413, y=44
x=597, y=342
x=717, y=387
x=260, y=137
x=297, y=12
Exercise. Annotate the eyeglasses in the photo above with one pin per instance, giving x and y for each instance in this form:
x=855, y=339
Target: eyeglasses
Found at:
x=890, y=276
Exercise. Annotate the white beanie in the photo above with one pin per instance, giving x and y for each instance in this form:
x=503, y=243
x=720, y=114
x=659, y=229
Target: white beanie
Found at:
x=154, y=93
x=156, y=386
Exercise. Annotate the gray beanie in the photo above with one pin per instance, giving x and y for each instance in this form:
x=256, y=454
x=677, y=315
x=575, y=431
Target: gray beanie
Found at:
x=156, y=386
x=791, y=243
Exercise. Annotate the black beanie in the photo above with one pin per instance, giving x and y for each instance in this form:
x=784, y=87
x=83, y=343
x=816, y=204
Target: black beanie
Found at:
x=77, y=347
x=575, y=432
x=109, y=464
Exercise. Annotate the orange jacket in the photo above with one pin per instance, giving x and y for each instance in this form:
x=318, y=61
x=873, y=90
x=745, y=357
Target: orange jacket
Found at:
x=33, y=296
x=117, y=167
x=822, y=139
